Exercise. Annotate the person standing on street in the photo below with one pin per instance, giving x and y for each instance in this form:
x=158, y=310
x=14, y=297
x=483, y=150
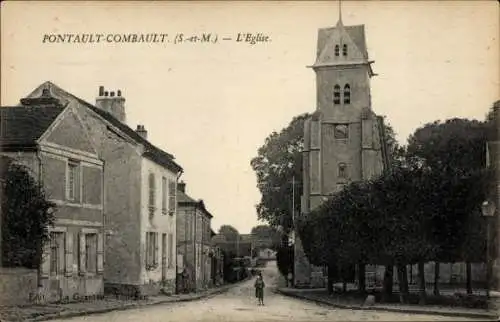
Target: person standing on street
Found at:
x=259, y=289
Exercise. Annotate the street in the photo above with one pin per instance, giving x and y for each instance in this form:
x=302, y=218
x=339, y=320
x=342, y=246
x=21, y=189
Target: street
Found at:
x=239, y=304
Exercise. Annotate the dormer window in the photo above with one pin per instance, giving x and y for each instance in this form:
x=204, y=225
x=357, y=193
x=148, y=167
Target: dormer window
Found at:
x=336, y=95
x=347, y=94
x=337, y=50
x=344, y=50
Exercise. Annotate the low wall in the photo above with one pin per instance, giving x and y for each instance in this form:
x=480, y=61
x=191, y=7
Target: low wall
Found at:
x=17, y=285
x=448, y=273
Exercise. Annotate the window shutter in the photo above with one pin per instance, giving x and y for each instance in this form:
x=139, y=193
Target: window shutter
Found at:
x=82, y=255
x=45, y=267
x=172, y=192
x=61, y=254
x=100, y=253
x=146, y=244
x=69, y=254
x=155, y=259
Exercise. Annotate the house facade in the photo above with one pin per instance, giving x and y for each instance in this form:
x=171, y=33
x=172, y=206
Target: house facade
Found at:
x=135, y=223
x=194, y=244
x=48, y=137
x=158, y=225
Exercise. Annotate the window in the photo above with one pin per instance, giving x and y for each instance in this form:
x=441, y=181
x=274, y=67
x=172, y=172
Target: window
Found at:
x=347, y=94
x=344, y=50
x=73, y=181
x=342, y=171
x=170, y=250
x=341, y=131
x=152, y=194
x=172, y=188
x=57, y=253
x=337, y=50
x=91, y=253
x=336, y=95
x=151, y=250
x=164, y=194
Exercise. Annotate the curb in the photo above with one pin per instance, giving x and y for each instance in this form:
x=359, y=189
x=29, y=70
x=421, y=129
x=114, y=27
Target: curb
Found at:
x=64, y=315
x=389, y=309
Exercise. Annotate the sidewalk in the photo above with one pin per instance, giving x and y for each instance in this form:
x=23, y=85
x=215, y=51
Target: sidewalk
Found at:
x=320, y=296
x=67, y=310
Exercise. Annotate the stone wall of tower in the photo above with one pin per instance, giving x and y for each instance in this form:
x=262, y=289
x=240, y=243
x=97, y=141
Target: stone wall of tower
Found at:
x=357, y=78
x=340, y=135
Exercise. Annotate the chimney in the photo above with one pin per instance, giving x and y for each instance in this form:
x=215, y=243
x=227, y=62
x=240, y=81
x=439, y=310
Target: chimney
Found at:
x=115, y=105
x=181, y=186
x=141, y=130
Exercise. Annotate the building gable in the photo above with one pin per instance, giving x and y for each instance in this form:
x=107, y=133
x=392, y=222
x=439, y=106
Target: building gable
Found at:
x=328, y=39
x=68, y=131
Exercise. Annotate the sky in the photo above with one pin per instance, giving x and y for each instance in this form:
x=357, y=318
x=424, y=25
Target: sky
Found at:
x=212, y=105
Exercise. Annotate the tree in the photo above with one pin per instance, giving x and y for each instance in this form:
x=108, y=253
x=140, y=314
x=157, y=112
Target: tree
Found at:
x=26, y=216
x=285, y=259
x=266, y=236
x=452, y=151
x=277, y=162
x=229, y=232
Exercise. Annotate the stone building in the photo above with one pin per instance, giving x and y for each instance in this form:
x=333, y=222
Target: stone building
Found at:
x=139, y=188
x=194, y=235
x=48, y=136
x=344, y=138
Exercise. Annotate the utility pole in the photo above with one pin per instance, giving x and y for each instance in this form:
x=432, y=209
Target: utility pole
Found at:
x=293, y=201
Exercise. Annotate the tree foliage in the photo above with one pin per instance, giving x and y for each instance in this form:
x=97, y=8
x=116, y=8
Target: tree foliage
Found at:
x=26, y=216
x=426, y=208
x=278, y=161
x=229, y=232
x=285, y=259
x=266, y=236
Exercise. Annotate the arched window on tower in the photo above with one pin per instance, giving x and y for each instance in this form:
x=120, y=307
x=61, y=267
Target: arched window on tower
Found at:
x=336, y=95
x=344, y=50
x=337, y=50
x=347, y=94
x=342, y=171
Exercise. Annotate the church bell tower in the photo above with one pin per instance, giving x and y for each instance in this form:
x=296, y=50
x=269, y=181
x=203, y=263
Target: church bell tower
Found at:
x=343, y=139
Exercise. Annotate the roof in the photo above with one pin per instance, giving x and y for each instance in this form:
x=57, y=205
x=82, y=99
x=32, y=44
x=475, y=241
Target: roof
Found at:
x=184, y=200
x=151, y=152
x=356, y=33
x=21, y=126
x=247, y=237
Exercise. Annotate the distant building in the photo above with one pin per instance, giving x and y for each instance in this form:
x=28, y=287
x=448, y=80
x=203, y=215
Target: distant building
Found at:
x=217, y=262
x=344, y=138
x=267, y=254
x=194, y=241
x=139, y=188
x=48, y=136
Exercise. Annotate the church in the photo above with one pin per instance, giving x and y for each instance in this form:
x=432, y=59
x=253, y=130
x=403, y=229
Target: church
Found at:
x=344, y=138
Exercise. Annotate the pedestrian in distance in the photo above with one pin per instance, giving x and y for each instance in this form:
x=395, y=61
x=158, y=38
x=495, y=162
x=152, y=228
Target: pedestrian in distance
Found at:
x=259, y=288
